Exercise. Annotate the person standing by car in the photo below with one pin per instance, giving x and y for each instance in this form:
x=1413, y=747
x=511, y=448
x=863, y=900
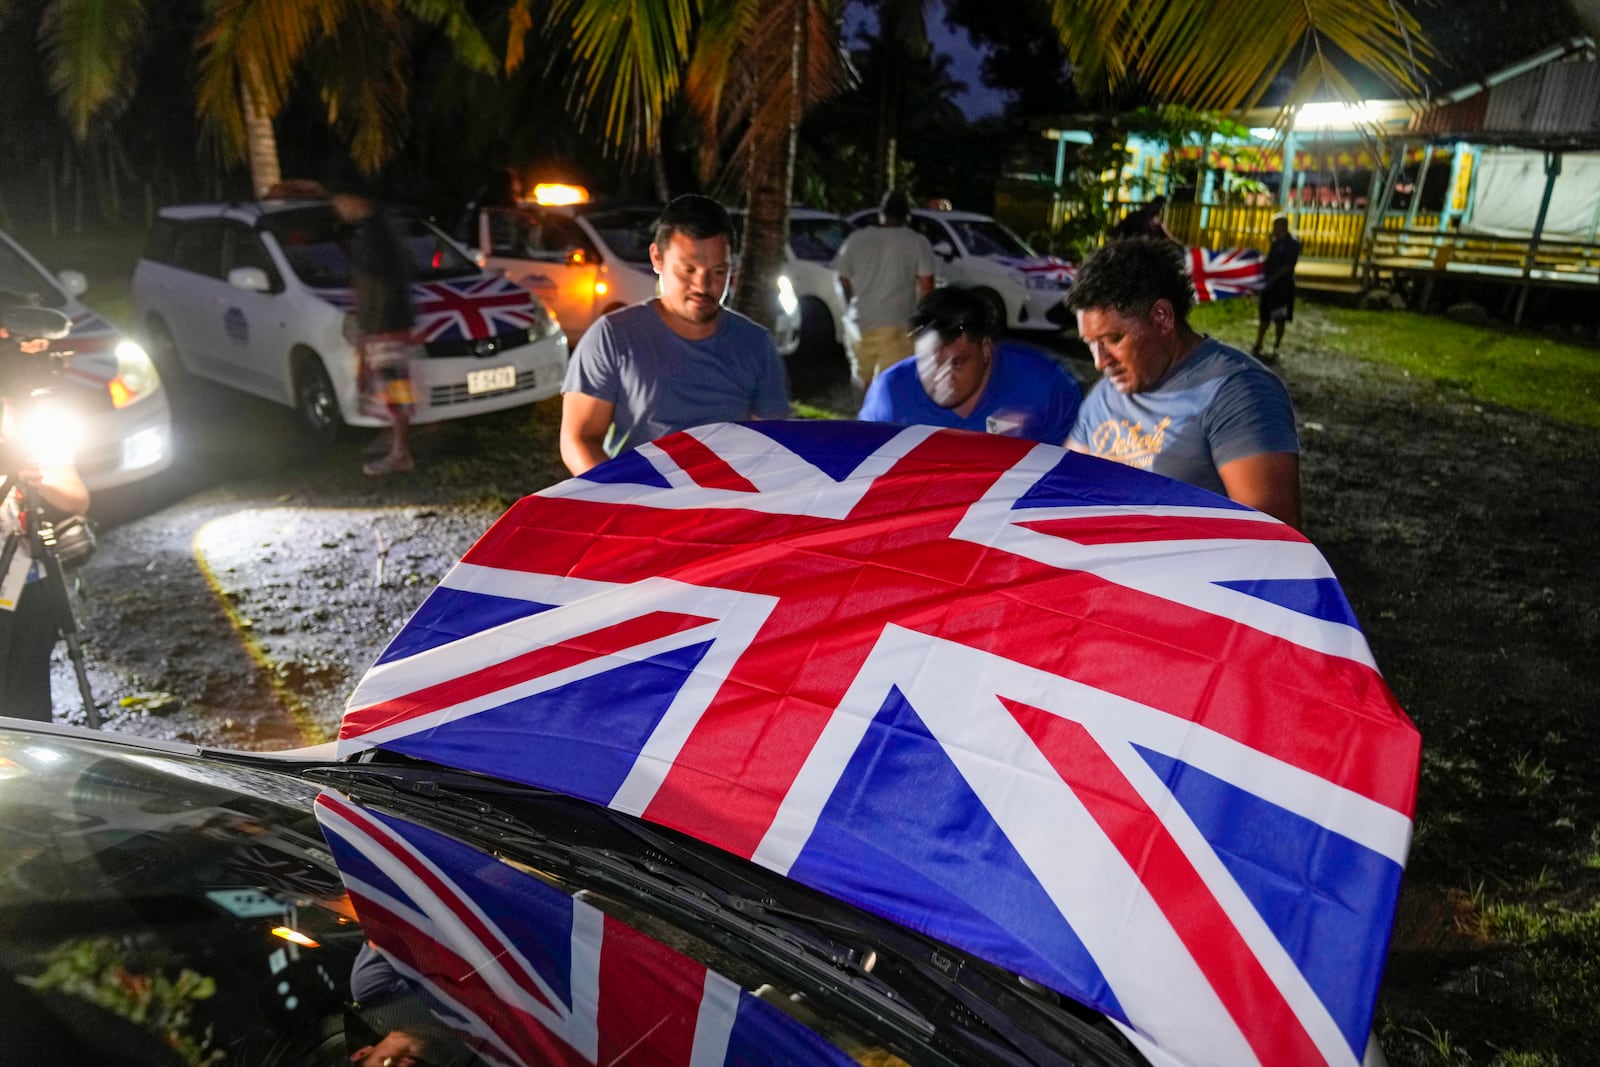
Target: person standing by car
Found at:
x=676, y=361
x=1277, y=292
x=27, y=630
x=882, y=272
x=381, y=277
x=1171, y=400
x=962, y=378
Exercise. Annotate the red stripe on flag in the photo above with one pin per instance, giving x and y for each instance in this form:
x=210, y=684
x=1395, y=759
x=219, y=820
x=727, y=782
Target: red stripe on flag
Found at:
x=1134, y=527
x=1228, y=962
x=703, y=465
x=540, y=661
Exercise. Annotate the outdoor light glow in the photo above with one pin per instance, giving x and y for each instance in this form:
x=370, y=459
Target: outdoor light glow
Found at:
x=600, y=289
x=295, y=937
x=555, y=194
x=1333, y=114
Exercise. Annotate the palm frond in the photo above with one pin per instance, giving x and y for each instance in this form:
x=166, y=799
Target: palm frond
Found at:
x=466, y=40
x=631, y=54
x=1222, y=54
x=90, y=46
x=364, y=76
x=519, y=23
x=259, y=44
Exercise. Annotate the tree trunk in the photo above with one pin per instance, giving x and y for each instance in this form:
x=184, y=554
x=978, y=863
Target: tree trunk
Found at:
x=766, y=229
x=261, y=144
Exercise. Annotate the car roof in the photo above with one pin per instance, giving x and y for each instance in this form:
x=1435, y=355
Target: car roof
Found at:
x=247, y=210
x=934, y=213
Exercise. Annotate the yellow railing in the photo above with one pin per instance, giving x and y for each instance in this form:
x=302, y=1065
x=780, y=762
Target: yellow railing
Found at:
x=1546, y=261
x=1324, y=232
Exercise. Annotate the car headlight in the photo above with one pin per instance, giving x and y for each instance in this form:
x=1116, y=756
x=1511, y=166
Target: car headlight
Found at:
x=1044, y=281
x=786, y=298
x=136, y=375
x=545, y=323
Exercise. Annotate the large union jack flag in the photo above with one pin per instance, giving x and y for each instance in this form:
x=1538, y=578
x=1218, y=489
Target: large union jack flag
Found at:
x=1115, y=733
x=525, y=974
x=1230, y=272
x=465, y=309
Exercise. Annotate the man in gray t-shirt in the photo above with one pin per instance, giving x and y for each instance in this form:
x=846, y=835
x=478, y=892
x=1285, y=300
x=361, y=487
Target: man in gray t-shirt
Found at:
x=882, y=272
x=1170, y=400
x=678, y=361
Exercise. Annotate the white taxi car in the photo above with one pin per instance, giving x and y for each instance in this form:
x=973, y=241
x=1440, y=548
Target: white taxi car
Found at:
x=977, y=252
x=116, y=412
x=814, y=239
x=585, y=260
x=255, y=296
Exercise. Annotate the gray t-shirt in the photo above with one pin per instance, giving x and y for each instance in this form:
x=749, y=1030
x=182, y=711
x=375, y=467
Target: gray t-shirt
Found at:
x=882, y=263
x=1216, y=406
x=662, y=383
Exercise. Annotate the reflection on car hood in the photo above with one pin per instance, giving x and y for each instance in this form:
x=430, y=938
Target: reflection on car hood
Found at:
x=92, y=344
x=1057, y=270
x=157, y=901
x=1111, y=732
x=529, y=971
x=460, y=309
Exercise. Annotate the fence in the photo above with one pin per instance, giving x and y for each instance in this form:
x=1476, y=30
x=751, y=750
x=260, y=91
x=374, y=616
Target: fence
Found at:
x=1324, y=232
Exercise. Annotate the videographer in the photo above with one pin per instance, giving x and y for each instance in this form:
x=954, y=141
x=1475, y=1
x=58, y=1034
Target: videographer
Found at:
x=28, y=627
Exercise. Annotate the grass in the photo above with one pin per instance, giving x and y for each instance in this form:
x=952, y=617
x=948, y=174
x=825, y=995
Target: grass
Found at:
x=1514, y=369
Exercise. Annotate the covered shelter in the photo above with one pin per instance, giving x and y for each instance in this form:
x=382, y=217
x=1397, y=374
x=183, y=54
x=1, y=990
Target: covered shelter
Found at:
x=1523, y=203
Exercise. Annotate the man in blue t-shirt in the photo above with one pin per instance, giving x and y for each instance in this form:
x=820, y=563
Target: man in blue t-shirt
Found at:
x=1171, y=400
x=678, y=361
x=961, y=378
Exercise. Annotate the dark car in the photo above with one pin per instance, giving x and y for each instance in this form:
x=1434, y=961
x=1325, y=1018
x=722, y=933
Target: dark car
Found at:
x=166, y=905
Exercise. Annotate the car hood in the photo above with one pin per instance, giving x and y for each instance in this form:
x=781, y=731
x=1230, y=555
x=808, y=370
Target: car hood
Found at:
x=251, y=909
x=1113, y=733
x=460, y=309
x=92, y=344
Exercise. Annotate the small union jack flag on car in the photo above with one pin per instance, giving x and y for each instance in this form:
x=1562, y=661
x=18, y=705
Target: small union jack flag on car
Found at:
x=1114, y=733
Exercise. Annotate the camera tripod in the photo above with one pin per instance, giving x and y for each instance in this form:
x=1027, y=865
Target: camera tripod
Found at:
x=36, y=534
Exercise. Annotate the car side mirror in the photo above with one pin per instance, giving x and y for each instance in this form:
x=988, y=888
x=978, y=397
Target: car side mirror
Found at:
x=252, y=279
x=73, y=282
x=944, y=250
x=35, y=323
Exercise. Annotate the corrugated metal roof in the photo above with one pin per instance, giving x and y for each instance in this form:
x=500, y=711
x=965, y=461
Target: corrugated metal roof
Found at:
x=1556, y=100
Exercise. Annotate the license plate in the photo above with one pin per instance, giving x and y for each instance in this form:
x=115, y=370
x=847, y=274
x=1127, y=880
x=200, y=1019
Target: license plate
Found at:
x=491, y=380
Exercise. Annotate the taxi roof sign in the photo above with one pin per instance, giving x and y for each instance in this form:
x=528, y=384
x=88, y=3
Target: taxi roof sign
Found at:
x=557, y=194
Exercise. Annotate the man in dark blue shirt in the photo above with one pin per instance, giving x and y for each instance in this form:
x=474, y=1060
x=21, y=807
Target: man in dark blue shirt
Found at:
x=961, y=377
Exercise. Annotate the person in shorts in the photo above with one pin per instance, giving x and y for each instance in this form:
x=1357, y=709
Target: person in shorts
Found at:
x=883, y=271
x=383, y=319
x=1277, y=294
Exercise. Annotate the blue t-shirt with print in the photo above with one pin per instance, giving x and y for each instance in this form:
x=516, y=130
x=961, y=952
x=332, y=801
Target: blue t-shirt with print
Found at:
x=661, y=383
x=1028, y=395
x=1214, y=407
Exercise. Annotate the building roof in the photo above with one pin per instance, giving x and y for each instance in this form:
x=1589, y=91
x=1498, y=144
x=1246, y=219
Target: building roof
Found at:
x=1549, y=100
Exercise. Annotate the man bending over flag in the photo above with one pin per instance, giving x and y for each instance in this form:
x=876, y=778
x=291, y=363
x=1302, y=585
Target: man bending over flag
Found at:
x=1174, y=401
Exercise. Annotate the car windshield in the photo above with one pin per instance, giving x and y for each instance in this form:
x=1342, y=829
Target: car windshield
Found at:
x=17, y=275
x=989, y=238
x=817, y=239
x=627, y=232
x=317, y=246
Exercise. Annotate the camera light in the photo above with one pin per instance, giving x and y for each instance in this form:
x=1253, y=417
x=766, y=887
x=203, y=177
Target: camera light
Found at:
x=49, y=434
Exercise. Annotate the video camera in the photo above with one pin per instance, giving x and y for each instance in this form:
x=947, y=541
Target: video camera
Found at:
x=24, y=371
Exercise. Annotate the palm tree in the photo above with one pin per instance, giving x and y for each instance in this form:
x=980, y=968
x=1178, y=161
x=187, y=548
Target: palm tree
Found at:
x=250, y=52
x=768, y=64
